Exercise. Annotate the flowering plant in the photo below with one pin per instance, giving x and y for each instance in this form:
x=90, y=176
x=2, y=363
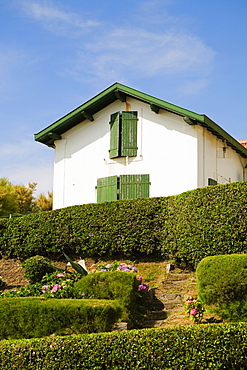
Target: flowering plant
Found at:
x=55, y=285
x=195, y=309
x=116, y=266
x=124, y=267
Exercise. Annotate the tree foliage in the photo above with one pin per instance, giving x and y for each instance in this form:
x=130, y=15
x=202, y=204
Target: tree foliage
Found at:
x=8, y=198
x=20, y=200
x=45, y=203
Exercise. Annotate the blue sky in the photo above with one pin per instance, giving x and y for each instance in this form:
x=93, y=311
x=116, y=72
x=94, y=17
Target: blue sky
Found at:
x=57, y=54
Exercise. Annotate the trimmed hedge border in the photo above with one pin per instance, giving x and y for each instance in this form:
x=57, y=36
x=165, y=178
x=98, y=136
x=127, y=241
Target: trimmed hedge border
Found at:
x=181, y=348
x=186, y=228
x=37, y=317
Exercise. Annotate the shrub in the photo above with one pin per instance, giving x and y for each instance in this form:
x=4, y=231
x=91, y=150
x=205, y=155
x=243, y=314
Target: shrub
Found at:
x=222, y=284
x=186, y=347
x=116, y=285
x=36, y=317
x=36, y=267
x=185, y=228
x=206, y=222
x=55, y=285
x=90, y=230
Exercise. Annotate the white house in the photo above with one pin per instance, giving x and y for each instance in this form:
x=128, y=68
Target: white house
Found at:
x=126, y=144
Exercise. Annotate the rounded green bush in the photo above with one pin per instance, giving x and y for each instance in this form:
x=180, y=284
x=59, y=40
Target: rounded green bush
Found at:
x=222, y=285
x=36, y=267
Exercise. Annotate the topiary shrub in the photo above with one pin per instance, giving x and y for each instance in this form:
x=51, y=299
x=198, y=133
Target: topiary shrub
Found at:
x=115, y=285
x=36, y=267
x=222, y=285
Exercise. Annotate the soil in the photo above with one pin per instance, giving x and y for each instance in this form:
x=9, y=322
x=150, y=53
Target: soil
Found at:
x=170, y=290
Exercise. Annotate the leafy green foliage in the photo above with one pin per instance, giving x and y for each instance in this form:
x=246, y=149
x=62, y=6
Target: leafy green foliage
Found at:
x=36, y=267
x=207, y=221
x=8, y=198
x=195, y=309
x=77, y=266
x=100, y=230
x=115, y=285
x=187, y=347
x=37, y=317
x=185, y=228
x=52, y=285
x=222, y=284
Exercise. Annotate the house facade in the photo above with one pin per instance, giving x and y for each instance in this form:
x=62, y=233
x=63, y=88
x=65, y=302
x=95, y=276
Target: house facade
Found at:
x=125, y=144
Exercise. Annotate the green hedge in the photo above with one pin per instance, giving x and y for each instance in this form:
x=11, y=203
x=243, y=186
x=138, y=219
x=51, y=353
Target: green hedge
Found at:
x=180, y=348
x=36, y=317
x=222, y=285
x=187, y=227
x=104, y=229
x=207, y=221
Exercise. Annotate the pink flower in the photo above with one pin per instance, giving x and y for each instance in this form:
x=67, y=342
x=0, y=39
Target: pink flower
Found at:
x=109, y=266
x=44, y=288
x=55, y=288
x=139, y=278
x=193, y=311
x=143, y=287
x=61, y=274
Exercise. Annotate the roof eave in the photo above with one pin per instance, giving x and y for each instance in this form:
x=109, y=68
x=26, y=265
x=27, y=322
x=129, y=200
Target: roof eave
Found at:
x=119, y=91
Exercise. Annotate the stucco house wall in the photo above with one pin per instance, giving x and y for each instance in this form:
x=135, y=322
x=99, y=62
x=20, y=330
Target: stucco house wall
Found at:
x=167, y=151
x=178, y=149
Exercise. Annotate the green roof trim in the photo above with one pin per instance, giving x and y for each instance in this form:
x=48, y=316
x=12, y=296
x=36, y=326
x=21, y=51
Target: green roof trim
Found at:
x=119, y=91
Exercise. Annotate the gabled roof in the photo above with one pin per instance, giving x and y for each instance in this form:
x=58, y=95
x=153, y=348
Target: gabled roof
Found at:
x=121, y=92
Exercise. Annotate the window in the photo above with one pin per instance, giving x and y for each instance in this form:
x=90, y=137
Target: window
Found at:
x=122, y=187
x=123, y=134
x=212, y=181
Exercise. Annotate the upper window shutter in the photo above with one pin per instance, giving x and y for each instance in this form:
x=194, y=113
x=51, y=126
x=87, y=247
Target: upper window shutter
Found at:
x=107, y=189
x=134, y=186
x=114, y=135
x=129, y=134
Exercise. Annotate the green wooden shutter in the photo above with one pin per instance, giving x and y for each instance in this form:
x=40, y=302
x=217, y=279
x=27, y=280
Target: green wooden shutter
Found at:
x=134, y=186
x=129, y=134
x=107, y=189
x=114, y=135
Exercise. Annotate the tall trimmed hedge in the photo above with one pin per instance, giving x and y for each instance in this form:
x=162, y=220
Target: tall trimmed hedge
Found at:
x=207, y=221
x=187, y=227
x=105, y=229
x=184, y=347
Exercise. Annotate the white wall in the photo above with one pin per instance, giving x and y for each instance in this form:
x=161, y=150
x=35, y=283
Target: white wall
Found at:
x=167, y=150
x=217, y=160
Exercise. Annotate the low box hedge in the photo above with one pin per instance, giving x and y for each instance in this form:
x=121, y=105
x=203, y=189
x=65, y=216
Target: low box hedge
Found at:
x=199, y=347
x=37, y=317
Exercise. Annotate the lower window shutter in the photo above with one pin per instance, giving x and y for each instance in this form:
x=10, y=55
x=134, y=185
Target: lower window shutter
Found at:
x=107, y=189
x=129, y=134
x=134, y=186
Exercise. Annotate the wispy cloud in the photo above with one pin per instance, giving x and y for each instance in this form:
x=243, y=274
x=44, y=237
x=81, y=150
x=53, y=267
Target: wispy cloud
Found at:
x=56, y=18
x=158, y=46
x=125, y=53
